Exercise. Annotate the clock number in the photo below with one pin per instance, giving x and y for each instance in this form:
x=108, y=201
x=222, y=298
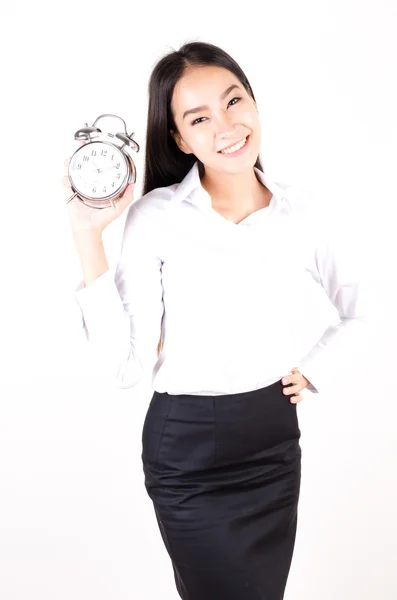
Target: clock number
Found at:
x=94, y=190
x=79, y=166
x=85, y=158
x=118, y=166
x=113, y=184
x=112, y=156
x=104, y=189
x=93, y=153
x=104, y=152
x=118, y=175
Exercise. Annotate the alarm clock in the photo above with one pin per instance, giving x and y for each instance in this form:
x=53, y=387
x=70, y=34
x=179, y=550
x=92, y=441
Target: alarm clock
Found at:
x=100, y=170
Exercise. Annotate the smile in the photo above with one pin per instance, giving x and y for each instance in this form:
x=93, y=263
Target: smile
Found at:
x=235, y=148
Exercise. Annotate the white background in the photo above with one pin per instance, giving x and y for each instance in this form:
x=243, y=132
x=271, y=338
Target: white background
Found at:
x=75, y=520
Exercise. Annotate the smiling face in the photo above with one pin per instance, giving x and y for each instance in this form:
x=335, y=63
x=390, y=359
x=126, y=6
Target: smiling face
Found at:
x=217, y=119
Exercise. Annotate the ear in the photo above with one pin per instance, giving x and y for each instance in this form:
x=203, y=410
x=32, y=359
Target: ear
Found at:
x=180, y=143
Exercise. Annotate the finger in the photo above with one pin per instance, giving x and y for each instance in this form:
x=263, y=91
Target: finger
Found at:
x=66, y=167
x=128, y=195
x=129, y=189
x=296, y=399
x=291, y=389
x=294, y=378
x=66, y=181
x=295, y=374
x=66, y=162
x=121, y=202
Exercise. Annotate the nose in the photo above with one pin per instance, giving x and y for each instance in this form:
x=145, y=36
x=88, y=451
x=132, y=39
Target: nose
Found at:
x=224, y=127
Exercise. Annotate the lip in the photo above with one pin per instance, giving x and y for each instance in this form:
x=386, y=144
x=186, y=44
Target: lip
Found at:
x=238, y=152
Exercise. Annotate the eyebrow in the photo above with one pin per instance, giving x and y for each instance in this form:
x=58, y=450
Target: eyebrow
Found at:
x=200, y=108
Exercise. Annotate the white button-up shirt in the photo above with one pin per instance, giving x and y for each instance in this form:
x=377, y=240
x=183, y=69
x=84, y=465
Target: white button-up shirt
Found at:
x=225, y=296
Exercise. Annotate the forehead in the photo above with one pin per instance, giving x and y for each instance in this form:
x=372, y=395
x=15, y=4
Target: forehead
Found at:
x=202, y=85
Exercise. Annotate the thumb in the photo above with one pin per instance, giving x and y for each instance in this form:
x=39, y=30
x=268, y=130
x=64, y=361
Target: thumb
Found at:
x=128, y=192
x=127, y=197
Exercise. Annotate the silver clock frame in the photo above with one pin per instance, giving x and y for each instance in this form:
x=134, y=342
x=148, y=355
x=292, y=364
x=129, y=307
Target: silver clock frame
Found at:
x=91, y=134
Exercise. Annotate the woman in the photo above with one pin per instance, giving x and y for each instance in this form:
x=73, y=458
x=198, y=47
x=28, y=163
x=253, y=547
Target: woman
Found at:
x=213, y=254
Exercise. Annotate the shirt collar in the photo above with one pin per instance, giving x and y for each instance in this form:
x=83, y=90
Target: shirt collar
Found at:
x=191, y=186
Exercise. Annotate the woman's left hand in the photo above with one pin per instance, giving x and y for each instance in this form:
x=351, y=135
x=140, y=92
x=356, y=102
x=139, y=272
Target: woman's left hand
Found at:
x=298, y=381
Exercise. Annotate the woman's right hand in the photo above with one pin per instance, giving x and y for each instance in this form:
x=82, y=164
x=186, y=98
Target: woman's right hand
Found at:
x=85, y=218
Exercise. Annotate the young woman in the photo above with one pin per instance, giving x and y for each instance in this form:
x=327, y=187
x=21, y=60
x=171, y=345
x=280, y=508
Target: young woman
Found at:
x=214, y=257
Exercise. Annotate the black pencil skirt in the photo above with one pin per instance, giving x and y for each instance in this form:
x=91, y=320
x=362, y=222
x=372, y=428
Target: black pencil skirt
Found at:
x=223, y=473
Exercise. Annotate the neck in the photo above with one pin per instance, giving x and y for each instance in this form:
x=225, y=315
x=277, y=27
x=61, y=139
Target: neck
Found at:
x=234, y=191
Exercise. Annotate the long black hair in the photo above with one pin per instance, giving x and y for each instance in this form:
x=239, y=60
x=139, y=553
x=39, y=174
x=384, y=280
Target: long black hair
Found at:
x=165, y=163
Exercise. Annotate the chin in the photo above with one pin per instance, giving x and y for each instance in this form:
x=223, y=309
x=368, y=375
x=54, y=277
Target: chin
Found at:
x=239, y=165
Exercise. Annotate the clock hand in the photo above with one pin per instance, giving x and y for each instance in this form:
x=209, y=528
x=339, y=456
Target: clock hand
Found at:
x=95, y=167
x=107, y=169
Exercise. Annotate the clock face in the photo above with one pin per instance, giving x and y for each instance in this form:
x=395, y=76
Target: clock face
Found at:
x=98, y=169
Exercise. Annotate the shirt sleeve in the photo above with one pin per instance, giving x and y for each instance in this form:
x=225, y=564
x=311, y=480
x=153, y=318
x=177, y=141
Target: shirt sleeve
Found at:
x=340, y=268
x=122, y=309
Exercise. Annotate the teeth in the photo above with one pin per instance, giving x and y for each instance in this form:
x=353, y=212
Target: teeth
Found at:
x=234, y=148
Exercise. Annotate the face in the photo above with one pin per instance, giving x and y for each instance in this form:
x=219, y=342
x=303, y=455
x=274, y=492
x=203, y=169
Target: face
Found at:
x=213, y=112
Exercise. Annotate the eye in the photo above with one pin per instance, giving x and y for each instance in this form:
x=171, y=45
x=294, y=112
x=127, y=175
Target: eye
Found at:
x=197, y=120
x=232, y=100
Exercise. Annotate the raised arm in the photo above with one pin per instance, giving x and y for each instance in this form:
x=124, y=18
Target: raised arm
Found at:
x=122, y=311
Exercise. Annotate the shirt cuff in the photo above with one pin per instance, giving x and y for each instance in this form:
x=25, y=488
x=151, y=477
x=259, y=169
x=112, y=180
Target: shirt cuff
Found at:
x=99, y=302
x=310, y=387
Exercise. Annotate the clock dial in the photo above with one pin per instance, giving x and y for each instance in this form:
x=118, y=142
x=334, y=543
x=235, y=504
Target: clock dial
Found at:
x=98, y=169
